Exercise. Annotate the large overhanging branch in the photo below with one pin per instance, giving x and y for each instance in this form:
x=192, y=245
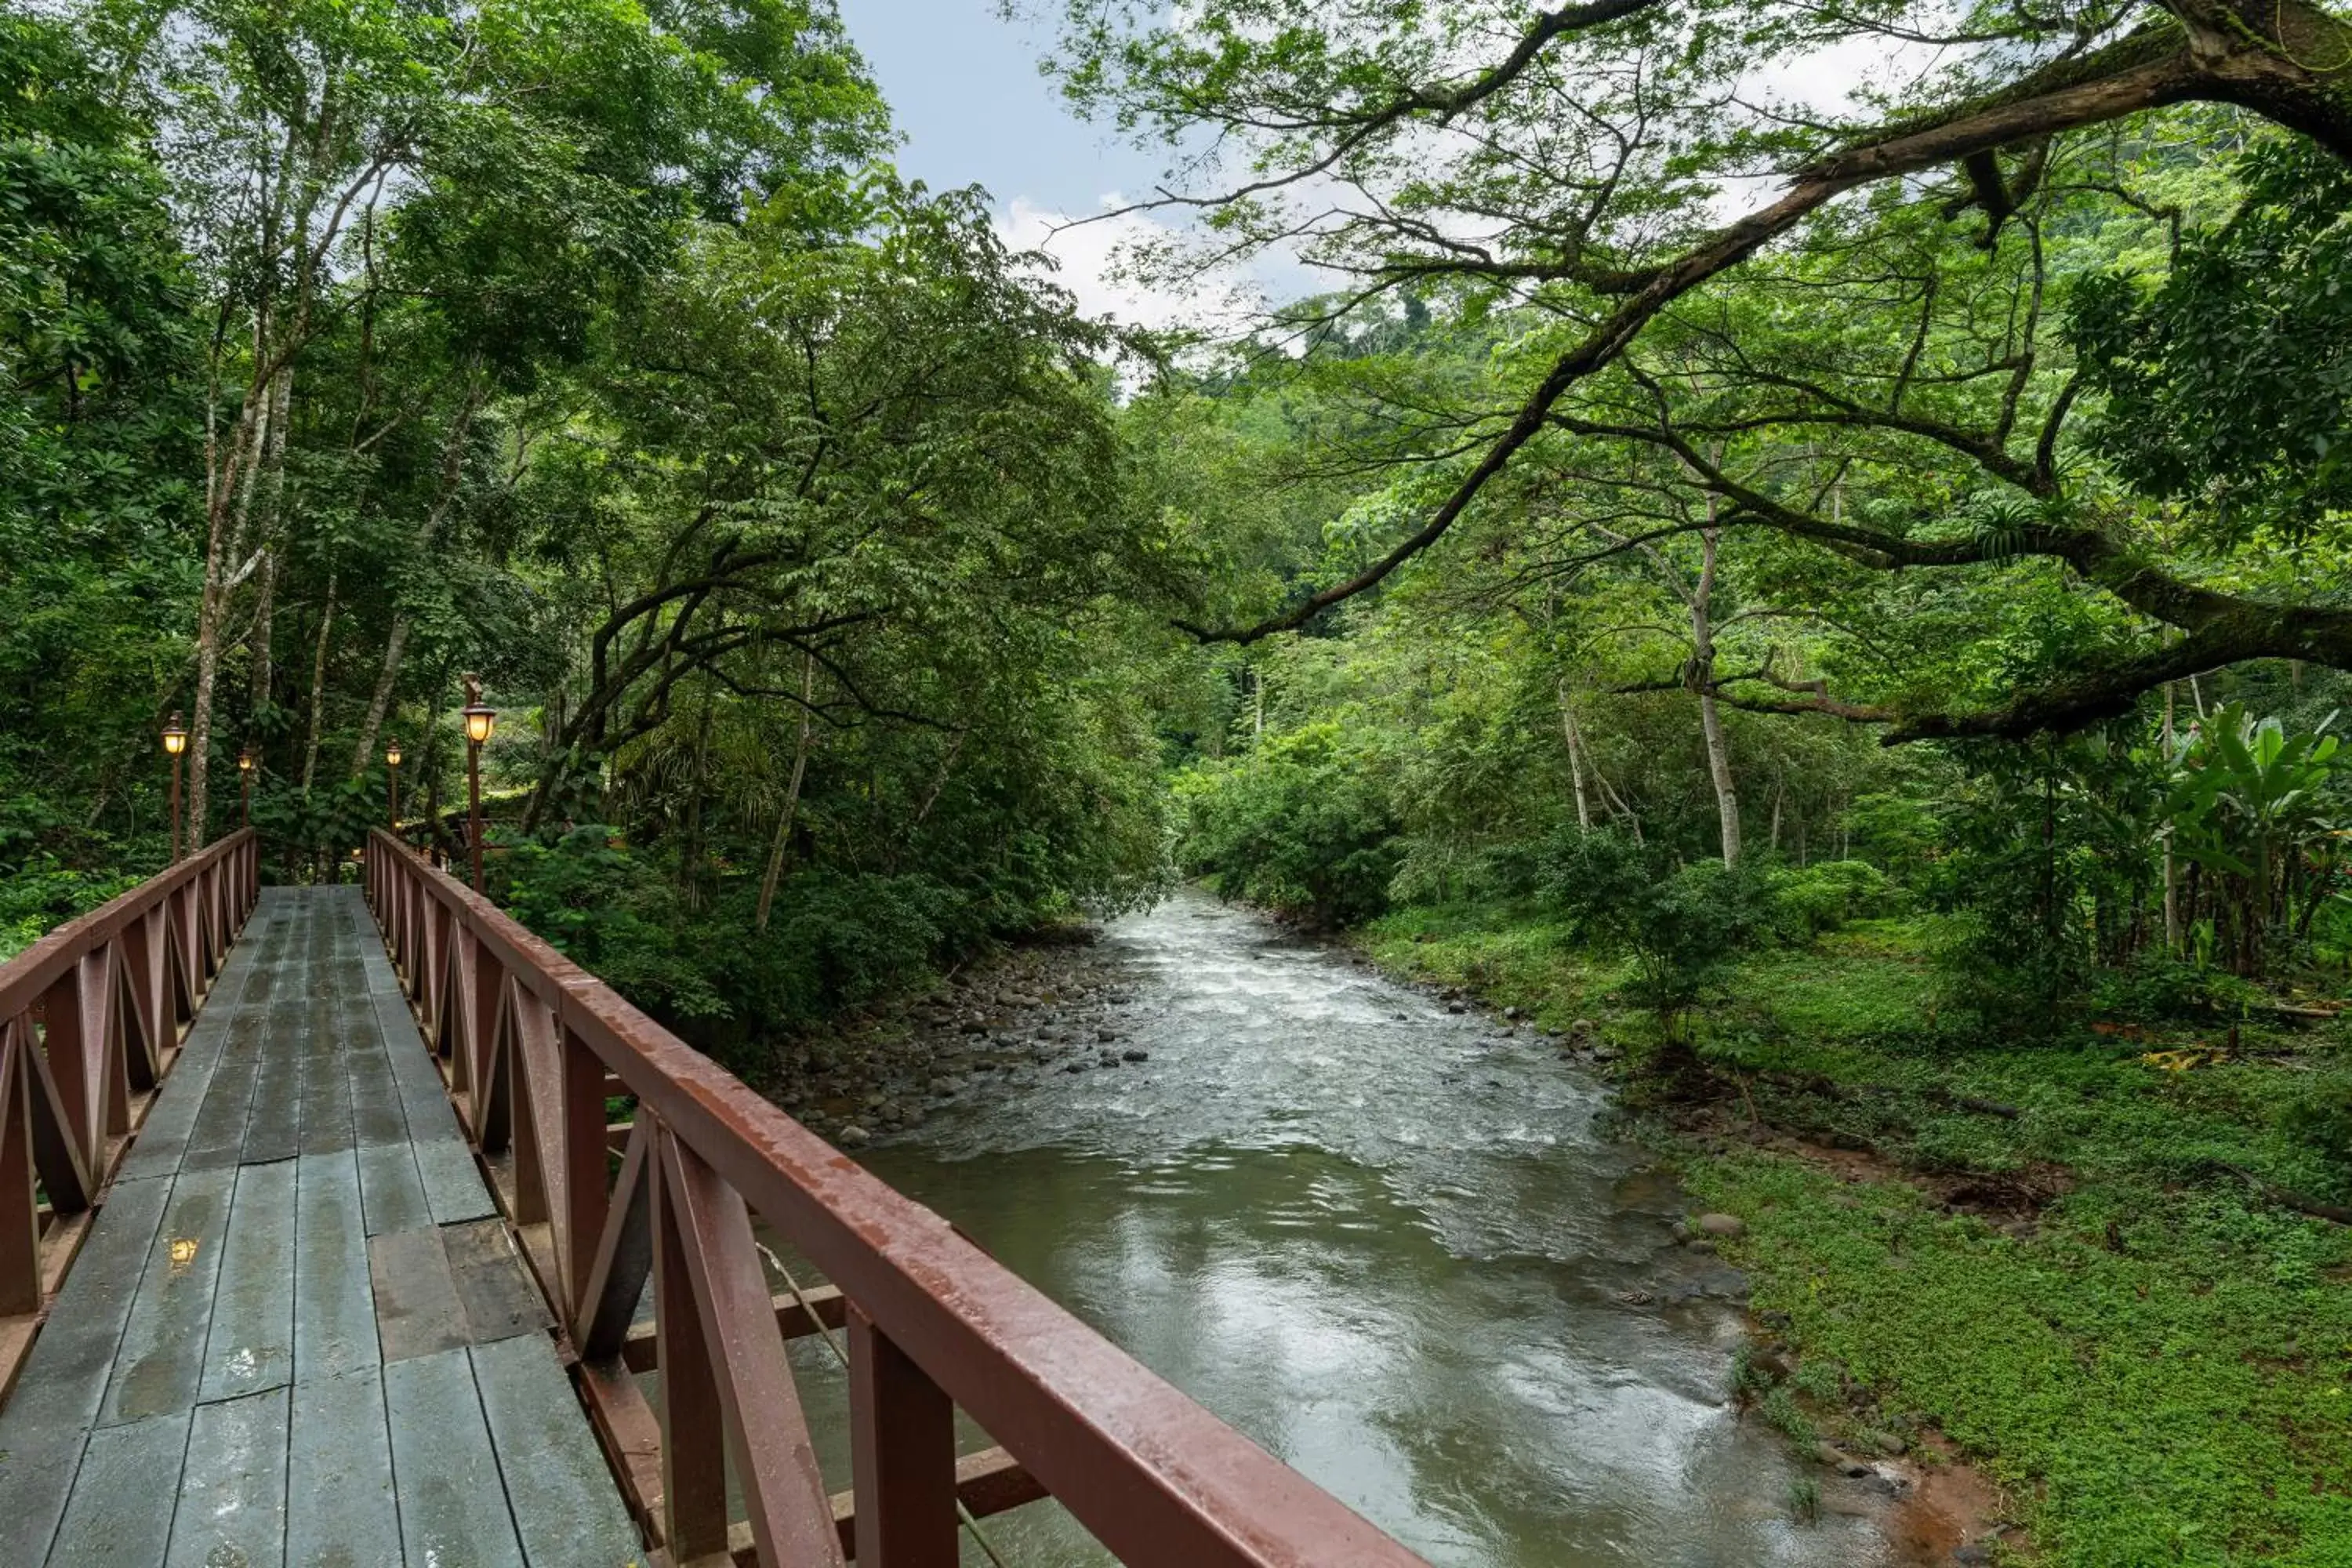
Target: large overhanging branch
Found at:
x=2220, y=56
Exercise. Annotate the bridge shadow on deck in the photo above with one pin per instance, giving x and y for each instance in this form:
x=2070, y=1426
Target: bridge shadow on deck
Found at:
x=298, y=1333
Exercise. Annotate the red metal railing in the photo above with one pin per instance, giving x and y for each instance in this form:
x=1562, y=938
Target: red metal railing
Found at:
x=91, y=1018
x=532, y=1047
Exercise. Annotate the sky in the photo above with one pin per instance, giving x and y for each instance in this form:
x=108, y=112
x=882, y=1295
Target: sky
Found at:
x=963, y=89
x=965, y=94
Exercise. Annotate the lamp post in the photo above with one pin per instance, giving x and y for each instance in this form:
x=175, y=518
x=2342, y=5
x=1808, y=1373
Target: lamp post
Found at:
x=391, y=765
x=479, y=720
x=245, y=778
x=176, y=741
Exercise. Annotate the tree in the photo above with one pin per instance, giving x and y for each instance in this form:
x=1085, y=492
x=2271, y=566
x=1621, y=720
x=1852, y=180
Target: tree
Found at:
x=99, y=382
x=506, y=168
x=1568, y=165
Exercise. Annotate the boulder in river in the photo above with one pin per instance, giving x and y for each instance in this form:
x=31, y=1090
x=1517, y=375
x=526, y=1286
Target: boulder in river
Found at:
x=1136, y=1054
x=852, y=1136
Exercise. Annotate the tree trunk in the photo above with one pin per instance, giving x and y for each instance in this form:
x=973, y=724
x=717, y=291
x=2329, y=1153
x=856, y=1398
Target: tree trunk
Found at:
x=224, y=482
x=2171, y=883
x=689, y=859
x=1719, y=750
x=273, y=539
x=1575, y=758
x=318, y=689
x=395, y=644
x=792, y=799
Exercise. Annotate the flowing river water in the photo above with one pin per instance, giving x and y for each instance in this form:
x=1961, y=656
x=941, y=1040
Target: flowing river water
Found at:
x=1390, y=1244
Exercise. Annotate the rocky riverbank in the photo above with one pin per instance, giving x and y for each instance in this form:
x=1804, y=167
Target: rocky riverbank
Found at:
x=1058, y=1005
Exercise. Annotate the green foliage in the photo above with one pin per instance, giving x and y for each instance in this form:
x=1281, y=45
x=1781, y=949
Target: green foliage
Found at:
x=98, y=368
x=2053, y=865
x=1684, y=927
x=1827, y=895
x=36, y=896
x=2168, y=1401
x=616, y=917
x=2258, y=808
x=2226, y=379
x=1297, y=826
x=2322, y=1116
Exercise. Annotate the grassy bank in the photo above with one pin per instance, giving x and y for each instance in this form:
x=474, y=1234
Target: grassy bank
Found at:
x=2078, y=1259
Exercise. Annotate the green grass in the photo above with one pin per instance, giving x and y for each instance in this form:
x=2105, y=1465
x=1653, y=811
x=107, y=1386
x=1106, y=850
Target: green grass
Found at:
x=2183, y=1401
x=2160, y=1372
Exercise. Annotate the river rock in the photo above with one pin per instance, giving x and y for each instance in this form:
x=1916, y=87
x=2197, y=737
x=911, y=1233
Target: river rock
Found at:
x=1725, y=1227
x=1074, y=1067
x=1136, y=1054
x=1109, y=1058
x=1106, y=1035
x=943, y=1086
x=1455, y=1008
x=1843, y=1464
x=852, y=1136
x=1887, y=1443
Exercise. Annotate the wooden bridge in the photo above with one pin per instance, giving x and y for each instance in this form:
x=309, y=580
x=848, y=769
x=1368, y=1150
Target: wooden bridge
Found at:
x=345, y=1227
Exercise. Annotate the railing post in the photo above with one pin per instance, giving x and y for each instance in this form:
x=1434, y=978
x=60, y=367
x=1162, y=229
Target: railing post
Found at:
x=20, y=1219
x=66, y=1041
x=902, y=1455
x=694, y=1440
x=145, y=960
x=587, y=1203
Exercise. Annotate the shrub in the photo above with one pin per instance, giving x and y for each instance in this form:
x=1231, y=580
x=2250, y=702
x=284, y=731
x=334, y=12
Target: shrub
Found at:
x=614, y=916
x=1818, y=899
x=1298, y=825
x=2321, y=1118
x=1684, y=927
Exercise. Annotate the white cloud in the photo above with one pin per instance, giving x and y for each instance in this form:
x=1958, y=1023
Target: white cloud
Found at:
x=1095, y=259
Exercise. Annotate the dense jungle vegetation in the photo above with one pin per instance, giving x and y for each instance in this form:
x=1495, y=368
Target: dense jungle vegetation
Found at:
x=1841, y=610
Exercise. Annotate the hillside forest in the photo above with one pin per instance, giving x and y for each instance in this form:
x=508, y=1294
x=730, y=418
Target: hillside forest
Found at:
x=1840, y=605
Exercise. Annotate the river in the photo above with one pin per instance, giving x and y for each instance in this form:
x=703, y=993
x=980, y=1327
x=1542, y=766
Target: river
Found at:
x=1389, y=1242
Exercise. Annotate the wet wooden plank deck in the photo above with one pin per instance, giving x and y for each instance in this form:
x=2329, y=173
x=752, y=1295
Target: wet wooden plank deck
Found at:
x=299, y=1334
